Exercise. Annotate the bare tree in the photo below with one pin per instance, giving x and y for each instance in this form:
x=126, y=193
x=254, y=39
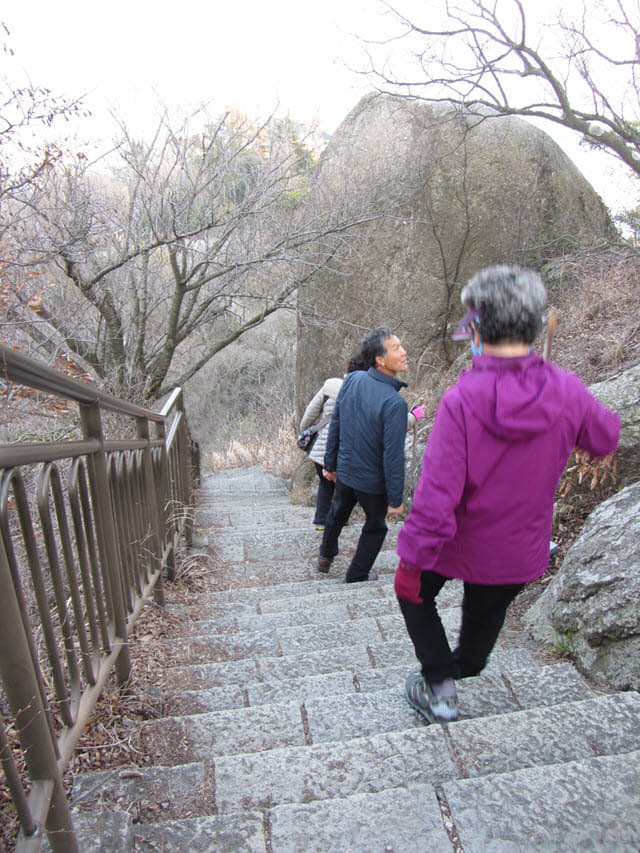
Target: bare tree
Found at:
x=581, y=71
x=190, y=240
x=24, y=110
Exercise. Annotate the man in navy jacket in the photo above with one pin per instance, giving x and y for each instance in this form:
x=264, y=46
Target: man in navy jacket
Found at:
x=365, y=452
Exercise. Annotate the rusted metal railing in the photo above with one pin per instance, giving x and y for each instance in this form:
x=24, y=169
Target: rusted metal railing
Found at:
x=88, y=528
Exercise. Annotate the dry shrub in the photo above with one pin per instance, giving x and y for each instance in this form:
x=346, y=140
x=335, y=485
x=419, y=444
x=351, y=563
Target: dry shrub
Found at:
x=280, y=457
x=596, y=294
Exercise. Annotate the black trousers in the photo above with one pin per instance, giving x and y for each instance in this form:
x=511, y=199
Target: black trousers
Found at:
x=372, y=534
x=325, y=496
x=483, y=613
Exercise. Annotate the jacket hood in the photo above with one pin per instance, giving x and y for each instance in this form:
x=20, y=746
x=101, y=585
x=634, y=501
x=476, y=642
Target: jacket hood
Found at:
x=514, y=398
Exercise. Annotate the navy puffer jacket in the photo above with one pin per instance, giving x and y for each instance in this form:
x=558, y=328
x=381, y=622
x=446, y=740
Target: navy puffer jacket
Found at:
x=365, y=445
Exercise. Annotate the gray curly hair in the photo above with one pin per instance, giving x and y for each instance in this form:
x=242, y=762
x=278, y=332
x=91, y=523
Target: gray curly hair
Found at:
x=510, y=302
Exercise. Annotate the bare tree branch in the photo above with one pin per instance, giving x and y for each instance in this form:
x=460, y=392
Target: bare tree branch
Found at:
x=581, y=72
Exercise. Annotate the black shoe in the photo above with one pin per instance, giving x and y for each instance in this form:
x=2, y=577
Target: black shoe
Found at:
x=324, y=564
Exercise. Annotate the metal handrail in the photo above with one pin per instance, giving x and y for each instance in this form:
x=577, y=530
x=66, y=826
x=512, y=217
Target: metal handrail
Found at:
x=88, y=529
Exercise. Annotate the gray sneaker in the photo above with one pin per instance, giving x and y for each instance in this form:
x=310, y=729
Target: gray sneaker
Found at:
x=434, y=708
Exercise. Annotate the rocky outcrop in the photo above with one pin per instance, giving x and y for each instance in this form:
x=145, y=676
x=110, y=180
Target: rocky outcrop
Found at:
x=590, y=608
x=459, y=193
x=622, y=394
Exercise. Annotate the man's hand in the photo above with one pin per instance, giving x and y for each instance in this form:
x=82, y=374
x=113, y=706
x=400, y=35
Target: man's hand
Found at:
x=395, y=510
x=329, y=475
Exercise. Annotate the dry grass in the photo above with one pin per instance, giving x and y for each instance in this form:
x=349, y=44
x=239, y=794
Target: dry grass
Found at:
x=597, y=296
x=280, y=457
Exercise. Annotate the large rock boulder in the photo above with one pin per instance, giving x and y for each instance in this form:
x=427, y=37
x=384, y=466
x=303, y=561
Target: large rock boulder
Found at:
x=622, y=394
x=459, y=194
x=590, y=608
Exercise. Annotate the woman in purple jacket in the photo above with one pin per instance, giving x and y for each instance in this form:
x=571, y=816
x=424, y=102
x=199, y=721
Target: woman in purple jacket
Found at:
x=483, y=508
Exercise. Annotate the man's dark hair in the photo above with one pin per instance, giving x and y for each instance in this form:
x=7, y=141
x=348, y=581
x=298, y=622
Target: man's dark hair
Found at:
x=373, y=345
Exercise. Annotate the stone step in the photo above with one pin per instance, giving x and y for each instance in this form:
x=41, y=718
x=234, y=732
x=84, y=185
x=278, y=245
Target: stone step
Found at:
x=293, y=594
x=248, y=670
x=333, y=602
x=341, y=715
x=588, y=804
x=467, y=750
x=489, y=693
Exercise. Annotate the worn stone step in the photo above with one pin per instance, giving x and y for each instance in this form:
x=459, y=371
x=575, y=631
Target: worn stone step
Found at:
x=528, y=687
x=248, y=667
x=334, y=603
x=469, y=748
x=289, y=553
x=343, y=715
x=101, y=832
x=402, y=820
x=591, y=804
x=588, y=804
x=283, y=596
x=238, y=833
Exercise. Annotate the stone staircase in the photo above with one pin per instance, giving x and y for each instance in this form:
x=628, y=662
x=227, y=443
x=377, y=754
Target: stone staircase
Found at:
x=286, y=728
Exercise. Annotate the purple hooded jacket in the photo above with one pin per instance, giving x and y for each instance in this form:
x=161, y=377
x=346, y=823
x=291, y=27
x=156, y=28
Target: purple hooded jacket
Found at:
x=483, y=508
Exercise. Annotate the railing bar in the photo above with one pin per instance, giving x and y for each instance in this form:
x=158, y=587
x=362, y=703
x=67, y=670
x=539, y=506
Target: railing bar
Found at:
x=72, y=577
x=92, y=594
x=115, y=446
x=27, y=821
x=140, y=539
x=14, y=480
x=14, y=455
x=21, y=369
x=44, y=489
x=174, y=402
x=119, y=515
x=69, y=738
x=37, y=580
x=88, y=516
x=39, y=802
x=173, y=429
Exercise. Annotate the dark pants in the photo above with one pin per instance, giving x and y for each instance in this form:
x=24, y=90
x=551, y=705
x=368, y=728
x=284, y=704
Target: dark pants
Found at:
x=483, y=612
x=324, y=498
x=373, y=531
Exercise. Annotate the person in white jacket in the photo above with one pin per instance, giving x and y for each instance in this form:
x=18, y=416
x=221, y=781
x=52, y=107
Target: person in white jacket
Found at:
x=319, y=409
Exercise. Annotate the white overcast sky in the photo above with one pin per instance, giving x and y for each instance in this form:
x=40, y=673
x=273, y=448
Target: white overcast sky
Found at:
x=254, y=55
x=249, y=54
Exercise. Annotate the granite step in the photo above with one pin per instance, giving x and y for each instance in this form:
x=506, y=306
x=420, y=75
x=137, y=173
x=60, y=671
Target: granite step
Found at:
x=468, y=749
x=342, y=715
x=589, y=804
x=247, y=669
x=499, y=687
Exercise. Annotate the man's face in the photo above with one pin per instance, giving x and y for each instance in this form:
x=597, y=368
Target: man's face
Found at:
x=395, y=358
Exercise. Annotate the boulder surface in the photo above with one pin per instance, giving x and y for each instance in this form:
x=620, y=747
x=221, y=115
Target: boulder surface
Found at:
x=455, y=193
x=590, y=608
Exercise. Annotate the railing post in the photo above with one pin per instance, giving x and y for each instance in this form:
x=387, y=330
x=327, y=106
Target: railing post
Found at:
x=187, y=463
x=26, y=703
x=151, y=490
x=106, y=534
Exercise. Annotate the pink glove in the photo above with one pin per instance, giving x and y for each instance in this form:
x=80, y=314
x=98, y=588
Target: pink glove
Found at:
x=418, y=412
x=407, y=583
